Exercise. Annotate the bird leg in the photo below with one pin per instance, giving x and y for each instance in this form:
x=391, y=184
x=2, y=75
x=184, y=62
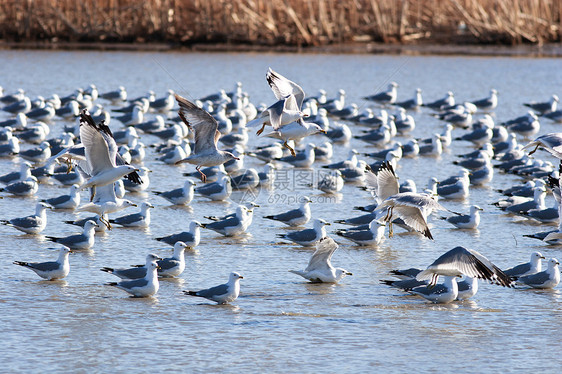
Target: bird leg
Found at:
x=261, y=130
x=105, y=222
x=388, y=218
x=92, y=193
x=289, y=148
x=68, y=166
x=203, y=176
x=534, y=150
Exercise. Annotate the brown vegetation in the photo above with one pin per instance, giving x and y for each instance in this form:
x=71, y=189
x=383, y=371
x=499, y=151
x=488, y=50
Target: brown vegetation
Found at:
x=282, y=22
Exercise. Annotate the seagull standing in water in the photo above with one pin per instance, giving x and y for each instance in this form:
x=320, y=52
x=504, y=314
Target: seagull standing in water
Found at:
x=223, y=294
x=205, y=129
x=143, y=287
x=50, y=270
x=320, y=269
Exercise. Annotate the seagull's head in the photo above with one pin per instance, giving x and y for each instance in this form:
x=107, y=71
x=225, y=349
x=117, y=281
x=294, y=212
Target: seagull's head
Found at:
x=234, y=276
x=230, y=156
x=341, y=273
x=152, y=257
x=537, y=256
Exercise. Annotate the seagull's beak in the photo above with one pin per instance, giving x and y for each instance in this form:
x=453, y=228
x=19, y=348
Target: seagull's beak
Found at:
x=544, y=258
x=137, y=170
x=348, y=273
x=237, y=158
x=241, y=277
x=134, y=204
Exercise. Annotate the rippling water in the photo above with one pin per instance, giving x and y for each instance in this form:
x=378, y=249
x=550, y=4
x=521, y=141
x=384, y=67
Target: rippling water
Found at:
x=279, y=323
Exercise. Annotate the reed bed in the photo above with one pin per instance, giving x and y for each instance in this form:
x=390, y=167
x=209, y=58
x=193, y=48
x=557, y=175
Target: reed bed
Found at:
x=282, y=22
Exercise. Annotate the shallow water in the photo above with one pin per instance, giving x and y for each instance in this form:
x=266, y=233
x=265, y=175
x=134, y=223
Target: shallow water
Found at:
x=279, y=323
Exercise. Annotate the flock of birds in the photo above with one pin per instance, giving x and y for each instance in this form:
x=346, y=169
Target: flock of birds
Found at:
x=91, y=156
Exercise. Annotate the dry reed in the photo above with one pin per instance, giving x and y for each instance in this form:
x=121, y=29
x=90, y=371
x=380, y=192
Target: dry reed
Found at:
x=278, y=22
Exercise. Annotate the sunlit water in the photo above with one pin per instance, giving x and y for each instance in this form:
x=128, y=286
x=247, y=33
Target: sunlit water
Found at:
x=280, y=322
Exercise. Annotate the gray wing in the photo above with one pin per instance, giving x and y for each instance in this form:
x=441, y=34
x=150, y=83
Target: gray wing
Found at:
x=131, y=273
x=178, y=192
x=458, y=219
x=133, y=283
x=358, y=235
x=413, y=217
x=436, y=290
x=70, y=241
x=209, y=189
x=204, y=126
x=283, y=87
x=467, y=262
x=320, y=260
x=302, y=236
x=213, y=291
x=128, y=219
x=221, y=225
x=185, y=237
x=25, y=222
x=517, y=270
x=58, y=200
x=287, y=216
x=44, y=266
x=449, y=189
x=535, y=279
x=168, y=263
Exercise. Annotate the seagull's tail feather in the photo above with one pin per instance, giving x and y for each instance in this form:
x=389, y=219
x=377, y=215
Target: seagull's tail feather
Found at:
x=191, y=293
x=107, y=270
x=52, y=238
x=114, y=284
x=21, y=263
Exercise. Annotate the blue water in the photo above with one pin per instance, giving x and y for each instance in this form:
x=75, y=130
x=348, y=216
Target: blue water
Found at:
x=280, y=323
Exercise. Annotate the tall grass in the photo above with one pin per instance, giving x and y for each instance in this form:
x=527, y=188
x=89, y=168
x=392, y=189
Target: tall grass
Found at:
x=276, y=22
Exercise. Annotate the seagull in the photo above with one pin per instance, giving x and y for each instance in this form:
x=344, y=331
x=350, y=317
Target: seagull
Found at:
x=527, y=268
x=414, y=103
x=233, y=226
x=39, y=154
x=295, y=217
x=385, y=97
x=26, y=187
x=462, y=261
x=307, y=237
x=372, y=236
x=489, y=103
x=448, y=100
x=545, y=279
x=295, y=131
x=470, y=221
x=412, y=207
x=303, y=159
x=141, y=219
x=171, y=267
x=223, y=294
x=105, y=202
x=441, y=293
x=191, y=238
x=287, y=109
x=320, y=269
x=100, y=152
x=216, y=191
x=544, y=107
x=70, y=201
x=143, y=287
x=33, y=224
x=179, y=196
x=204, y=126
x=50, y=270
x=119, y=95
x=135, y=272
x=82, y=241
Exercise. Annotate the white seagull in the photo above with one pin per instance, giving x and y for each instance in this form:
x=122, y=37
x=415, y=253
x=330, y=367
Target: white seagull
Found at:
x=50, y=270
x=205, y=129
x=320, y=269
x=223, y=294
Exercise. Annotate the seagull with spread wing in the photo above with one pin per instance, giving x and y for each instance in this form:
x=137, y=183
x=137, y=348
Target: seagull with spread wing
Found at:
x=320, y=269
x=287, y=109
x=205, y=129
